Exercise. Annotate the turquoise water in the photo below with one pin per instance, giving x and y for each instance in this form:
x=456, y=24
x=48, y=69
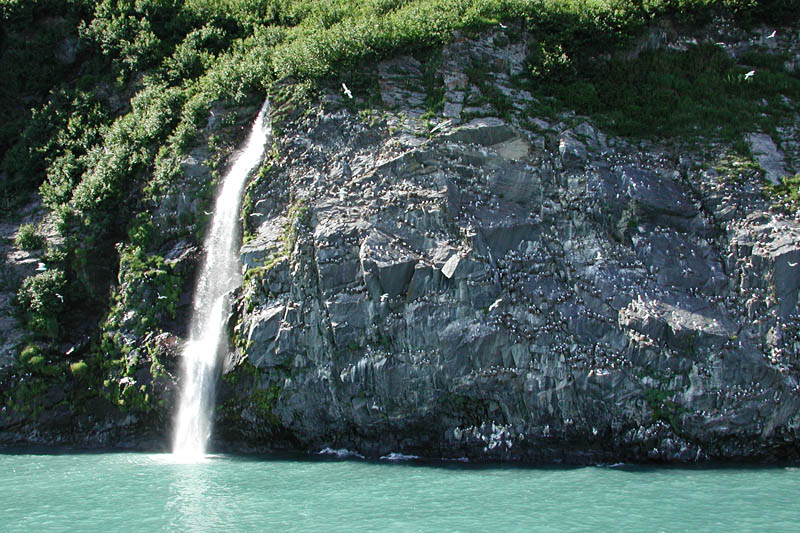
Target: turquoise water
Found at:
x=140, y=492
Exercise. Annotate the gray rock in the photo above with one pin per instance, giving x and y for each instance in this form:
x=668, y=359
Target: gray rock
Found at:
x=479, y=294
x=768, y=156
x=262, y=335
x=483, y=131
x=387, y=261
x=573, y=152
x=401, y=85
x=691, y=332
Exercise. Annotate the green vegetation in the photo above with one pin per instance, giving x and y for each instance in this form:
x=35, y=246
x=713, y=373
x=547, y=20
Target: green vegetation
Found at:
x=79, y=369
x=664, y=407
x=468, y=410
x=151, y=288
x=262, y=398
x=296, y=218
x=786, y=196
x=669, y=93
x=41, y=300
x=172, y=58
x=263, y=402
x=434, y=84
x=490, y=94
x=28, y=238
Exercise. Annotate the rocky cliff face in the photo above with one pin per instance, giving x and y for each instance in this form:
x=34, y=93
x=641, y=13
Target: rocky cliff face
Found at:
x=498, y=289
x=475, y=282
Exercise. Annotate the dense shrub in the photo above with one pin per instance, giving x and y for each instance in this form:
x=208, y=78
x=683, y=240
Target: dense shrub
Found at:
x=32, y=32
x=29, y=352
x=151, y=289
x=32, y=146
x=136, y=35
x=41, y=302
x=28, y=238
x=79, y=369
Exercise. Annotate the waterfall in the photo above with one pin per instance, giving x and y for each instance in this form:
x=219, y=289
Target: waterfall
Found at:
x=220, y=273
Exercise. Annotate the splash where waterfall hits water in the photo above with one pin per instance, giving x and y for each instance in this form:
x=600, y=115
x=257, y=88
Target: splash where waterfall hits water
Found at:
x=219, y=274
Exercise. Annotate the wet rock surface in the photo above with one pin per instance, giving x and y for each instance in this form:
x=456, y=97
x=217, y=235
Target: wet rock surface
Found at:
x=506, y=290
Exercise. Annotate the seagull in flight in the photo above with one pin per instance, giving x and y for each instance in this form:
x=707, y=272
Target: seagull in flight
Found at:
x=772, y=35
x=750, y=74
x=347, y=91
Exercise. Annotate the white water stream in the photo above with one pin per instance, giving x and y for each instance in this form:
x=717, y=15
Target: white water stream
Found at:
x=220, y=273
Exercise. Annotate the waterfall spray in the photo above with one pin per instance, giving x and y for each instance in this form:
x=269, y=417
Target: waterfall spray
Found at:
x=220, y=273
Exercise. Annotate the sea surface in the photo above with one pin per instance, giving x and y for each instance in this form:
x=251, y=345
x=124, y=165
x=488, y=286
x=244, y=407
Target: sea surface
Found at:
x=111, y=492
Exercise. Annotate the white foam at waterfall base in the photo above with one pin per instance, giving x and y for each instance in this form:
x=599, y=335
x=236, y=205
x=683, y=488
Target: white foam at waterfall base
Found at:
x=219, y=274
x=396, y=456
x=341, y=453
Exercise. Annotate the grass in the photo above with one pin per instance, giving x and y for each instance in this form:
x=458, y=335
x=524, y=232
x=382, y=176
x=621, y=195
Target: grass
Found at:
x=785, y=196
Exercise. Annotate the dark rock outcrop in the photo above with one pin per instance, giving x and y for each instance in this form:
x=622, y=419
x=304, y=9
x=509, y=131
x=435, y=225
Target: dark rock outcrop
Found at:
x=514, y=291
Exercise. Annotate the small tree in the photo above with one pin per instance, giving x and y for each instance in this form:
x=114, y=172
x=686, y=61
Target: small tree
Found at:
x=40, y=298
x=28, y=239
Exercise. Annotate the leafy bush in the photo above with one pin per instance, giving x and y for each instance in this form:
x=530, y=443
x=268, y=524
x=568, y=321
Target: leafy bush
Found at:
x=135, y=35
x=79, y=369
x=195, y=54
x=33, y=359
x=37, y=361
x=31, y=34
x=28, y=238
x=128, y=147
x=29, y=352
x=33, y=145
x=41, y=300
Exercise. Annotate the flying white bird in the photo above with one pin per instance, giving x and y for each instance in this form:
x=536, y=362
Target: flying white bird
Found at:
x=772, y=35
x=750, y=74
x=346, y=90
